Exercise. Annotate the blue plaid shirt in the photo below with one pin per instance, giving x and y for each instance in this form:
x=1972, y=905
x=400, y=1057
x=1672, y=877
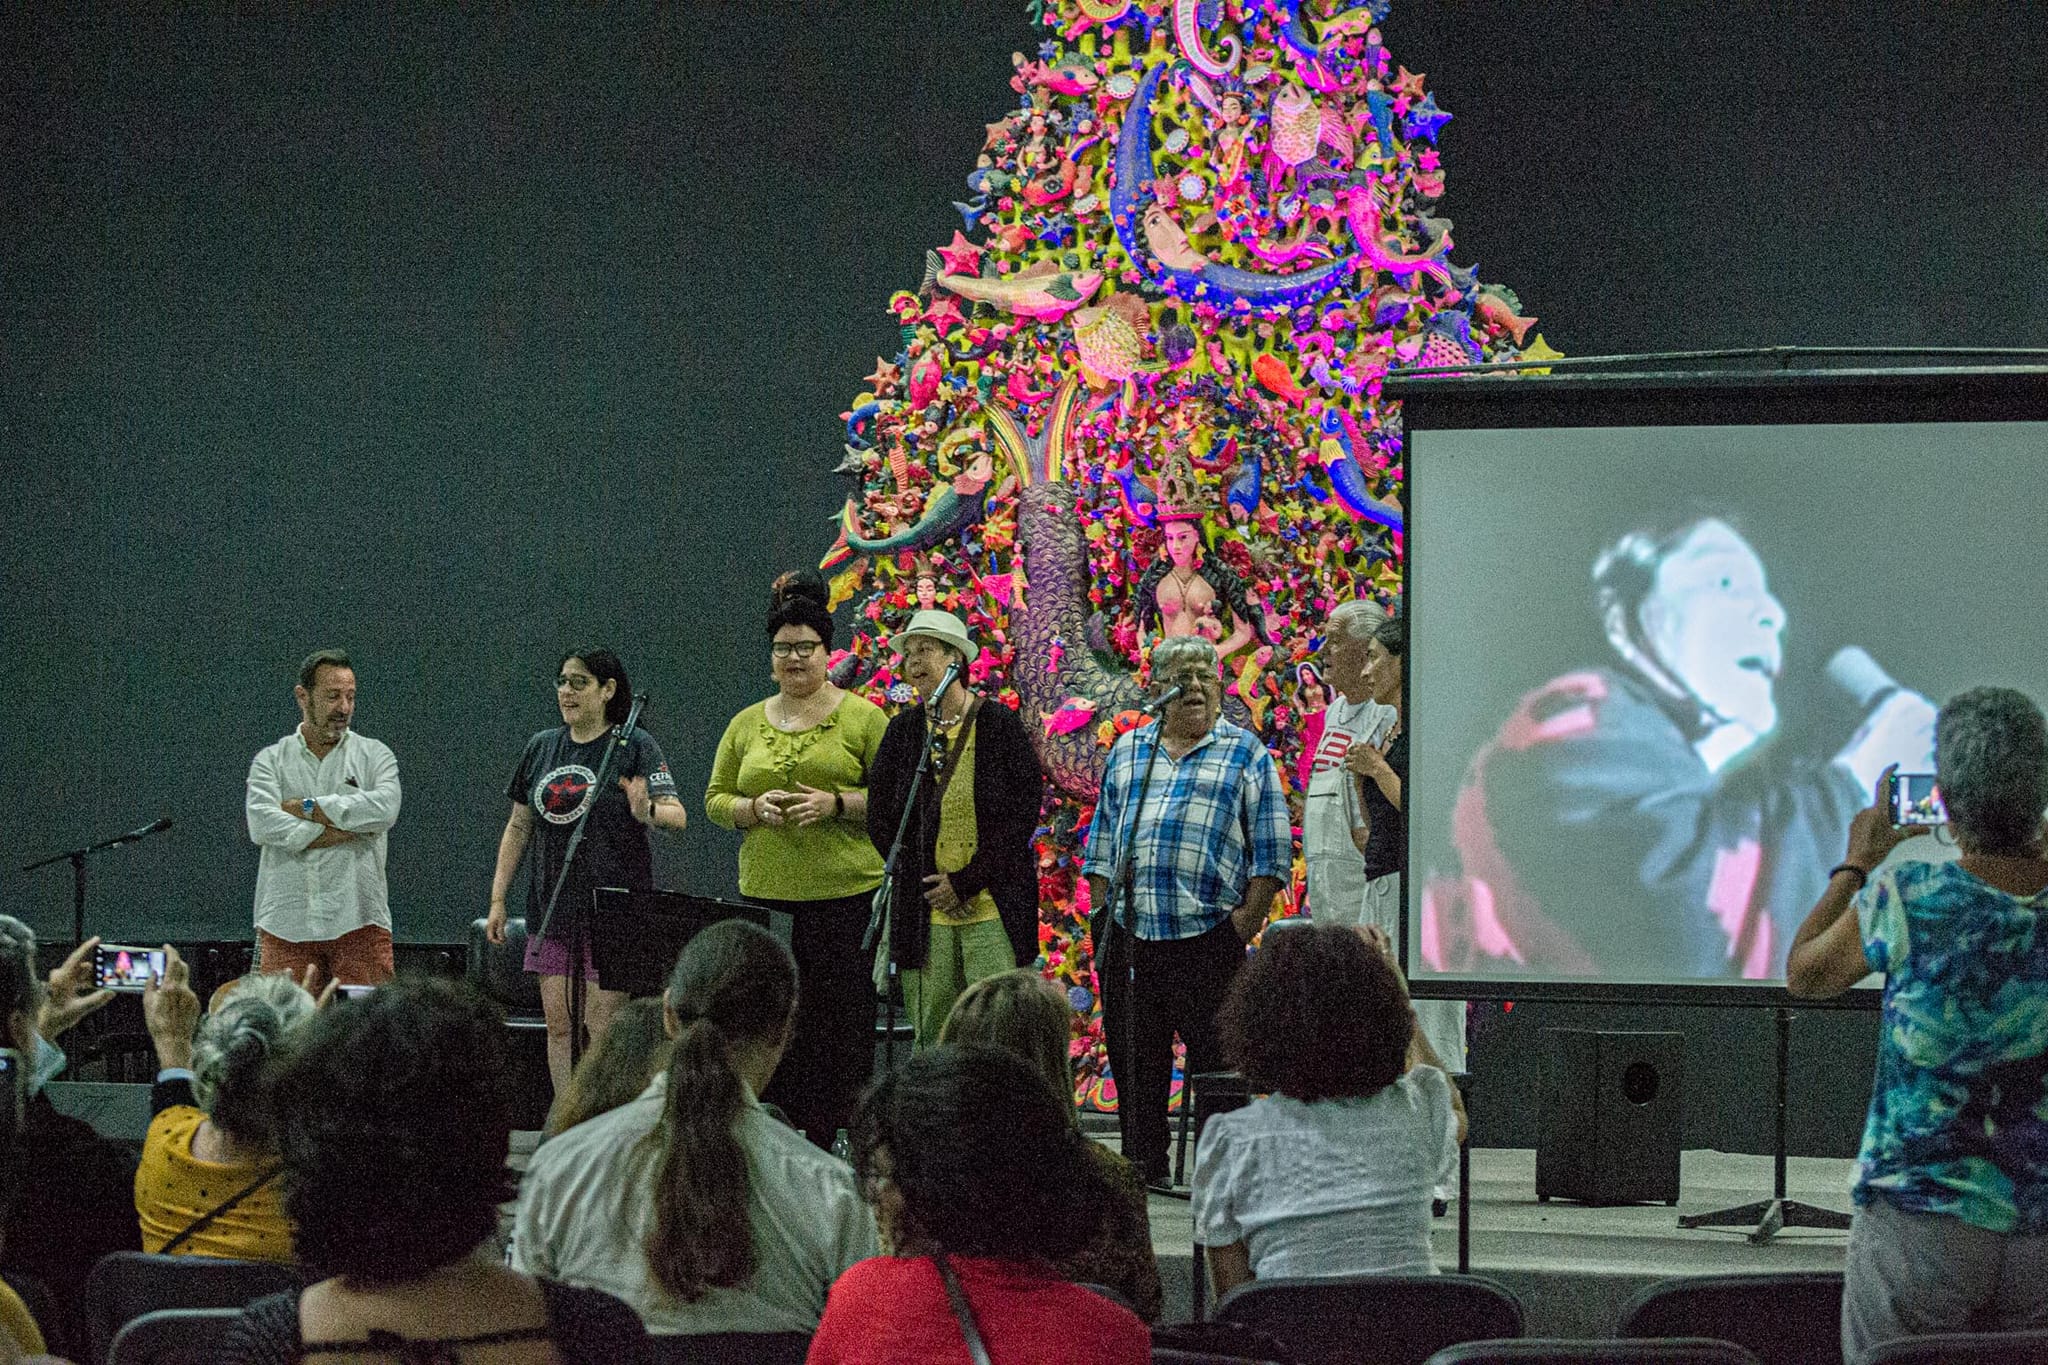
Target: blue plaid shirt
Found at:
x=1213, y=819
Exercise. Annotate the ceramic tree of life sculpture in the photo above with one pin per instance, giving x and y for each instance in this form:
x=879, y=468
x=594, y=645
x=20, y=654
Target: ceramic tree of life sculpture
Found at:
x=1138, y=392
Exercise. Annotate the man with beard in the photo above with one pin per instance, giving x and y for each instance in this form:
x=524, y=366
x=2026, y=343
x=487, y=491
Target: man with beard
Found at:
x=320, y=801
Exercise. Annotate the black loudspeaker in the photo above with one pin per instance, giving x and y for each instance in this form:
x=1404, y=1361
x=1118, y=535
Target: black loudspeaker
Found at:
x=1613, y=1107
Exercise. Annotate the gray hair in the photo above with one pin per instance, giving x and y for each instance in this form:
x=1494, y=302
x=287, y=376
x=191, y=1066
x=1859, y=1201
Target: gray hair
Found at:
x=21, y=985
x=235, y=1040
x=1177, y=653
x=1355, y=620
x=1991, y=762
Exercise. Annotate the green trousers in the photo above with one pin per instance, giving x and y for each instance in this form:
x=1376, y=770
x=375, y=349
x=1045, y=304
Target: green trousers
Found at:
x=959, y=955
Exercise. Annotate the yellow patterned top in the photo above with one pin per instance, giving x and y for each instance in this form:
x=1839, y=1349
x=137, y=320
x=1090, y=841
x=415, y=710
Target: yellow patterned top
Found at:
x=957, y=836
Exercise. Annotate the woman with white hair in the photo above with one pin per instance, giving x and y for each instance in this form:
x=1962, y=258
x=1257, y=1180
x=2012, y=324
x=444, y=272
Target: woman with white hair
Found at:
x=1951, y=1227
x=207, y=1184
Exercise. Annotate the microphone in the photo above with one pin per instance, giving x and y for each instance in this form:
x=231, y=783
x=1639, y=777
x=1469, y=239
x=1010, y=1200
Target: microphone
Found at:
x=1164, y=699
x=154, y=827
x=1862, y=677
x=945, y=685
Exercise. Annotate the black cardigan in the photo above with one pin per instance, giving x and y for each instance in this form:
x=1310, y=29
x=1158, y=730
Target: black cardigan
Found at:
x=1008, y=790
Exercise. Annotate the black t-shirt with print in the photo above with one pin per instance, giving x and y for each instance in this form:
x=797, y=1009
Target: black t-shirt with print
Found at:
x=554, y=778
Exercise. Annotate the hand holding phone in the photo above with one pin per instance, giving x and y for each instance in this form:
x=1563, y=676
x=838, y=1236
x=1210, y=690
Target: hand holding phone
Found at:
x=1914, y=799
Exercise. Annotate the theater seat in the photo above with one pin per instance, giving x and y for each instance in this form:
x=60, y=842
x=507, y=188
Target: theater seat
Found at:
x=1568, y=1351
x=1374, y=1319
x=1787, y=1318
x=127, y=1284
x=732, y=1348
x=1963, y=1348
x=499, y=971
x=174, y=1336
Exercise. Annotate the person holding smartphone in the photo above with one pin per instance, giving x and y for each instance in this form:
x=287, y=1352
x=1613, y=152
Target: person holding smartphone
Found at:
x=550, y=790
x=75, y=1199
x=1951, y=1225
x=792, y=776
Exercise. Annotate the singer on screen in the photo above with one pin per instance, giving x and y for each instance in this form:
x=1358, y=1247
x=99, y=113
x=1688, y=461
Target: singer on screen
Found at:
x=1188, y=846
x=964, y=899
x=1635, y=820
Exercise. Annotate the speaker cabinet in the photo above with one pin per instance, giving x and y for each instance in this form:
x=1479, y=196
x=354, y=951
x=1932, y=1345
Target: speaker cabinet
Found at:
x=1613, y=1107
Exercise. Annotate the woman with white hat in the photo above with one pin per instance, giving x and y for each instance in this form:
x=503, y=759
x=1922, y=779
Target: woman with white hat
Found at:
x=965, y=890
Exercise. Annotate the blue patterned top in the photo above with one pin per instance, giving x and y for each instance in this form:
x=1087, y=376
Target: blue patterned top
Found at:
x=1959, y=1110
x=1213, y=819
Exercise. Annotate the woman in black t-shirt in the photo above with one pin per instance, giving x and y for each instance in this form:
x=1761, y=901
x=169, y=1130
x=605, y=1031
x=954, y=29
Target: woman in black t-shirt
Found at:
x=549, y=791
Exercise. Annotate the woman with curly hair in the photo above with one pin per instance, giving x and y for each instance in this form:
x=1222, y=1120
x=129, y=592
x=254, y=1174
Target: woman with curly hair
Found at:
x=981, y=1184
x=1330, y=1171
x=393, y=1121
x=1951, y=1226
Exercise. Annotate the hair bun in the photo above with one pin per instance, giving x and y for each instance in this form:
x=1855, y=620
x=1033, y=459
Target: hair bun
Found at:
x=797, y=585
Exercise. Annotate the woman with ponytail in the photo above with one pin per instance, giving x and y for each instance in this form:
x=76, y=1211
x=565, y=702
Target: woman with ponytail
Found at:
x=207, y=1184
x=692, y=1203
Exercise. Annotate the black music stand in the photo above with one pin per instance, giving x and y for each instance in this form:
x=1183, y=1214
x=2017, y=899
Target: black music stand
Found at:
x=636, y=936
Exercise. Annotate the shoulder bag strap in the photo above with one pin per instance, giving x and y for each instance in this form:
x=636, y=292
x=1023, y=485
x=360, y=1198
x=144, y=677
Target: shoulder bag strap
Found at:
x=205, y=1220
x=977, y=1351
x=957, y=748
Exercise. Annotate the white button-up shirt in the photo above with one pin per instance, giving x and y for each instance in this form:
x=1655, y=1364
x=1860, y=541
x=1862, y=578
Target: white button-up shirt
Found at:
x=310, y=895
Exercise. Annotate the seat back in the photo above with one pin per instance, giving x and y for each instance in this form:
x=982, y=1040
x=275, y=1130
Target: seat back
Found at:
x=127, y=1284
x=1382, y=1319
x=732, y=1348
x=1566, y=1351
x=42, y=1306
x=174, y=1336
x=499, y=969
x=1963, y=1348
x=1167, y=1355
x=1788, y=1318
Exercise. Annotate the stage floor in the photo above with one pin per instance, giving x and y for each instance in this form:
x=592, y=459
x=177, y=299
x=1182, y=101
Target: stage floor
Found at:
x=1574, y=1266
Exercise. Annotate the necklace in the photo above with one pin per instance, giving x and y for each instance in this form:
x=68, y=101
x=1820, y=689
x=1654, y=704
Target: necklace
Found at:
x=802, y=715
x=1183, y=581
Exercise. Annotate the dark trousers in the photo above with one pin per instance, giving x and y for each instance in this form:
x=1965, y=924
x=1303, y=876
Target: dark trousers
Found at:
x=833, y=1050
x=1151, y=990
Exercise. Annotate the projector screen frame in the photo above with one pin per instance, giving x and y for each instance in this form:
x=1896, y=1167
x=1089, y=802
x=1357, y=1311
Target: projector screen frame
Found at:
x=1646, y=397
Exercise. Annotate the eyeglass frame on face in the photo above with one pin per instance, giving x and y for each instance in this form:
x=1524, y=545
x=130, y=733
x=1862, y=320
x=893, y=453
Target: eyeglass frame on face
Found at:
x=1191, y=680
x=798, y=649
x=575, y=682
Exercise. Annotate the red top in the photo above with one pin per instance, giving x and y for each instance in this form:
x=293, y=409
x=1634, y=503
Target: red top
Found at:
x=893, y=1311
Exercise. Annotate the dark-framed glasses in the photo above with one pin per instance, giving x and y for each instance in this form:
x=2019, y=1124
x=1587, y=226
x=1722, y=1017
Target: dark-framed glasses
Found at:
x=800, y=649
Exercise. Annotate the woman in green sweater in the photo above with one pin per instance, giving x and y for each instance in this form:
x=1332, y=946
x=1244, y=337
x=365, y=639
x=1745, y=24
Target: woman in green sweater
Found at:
x=791, y=775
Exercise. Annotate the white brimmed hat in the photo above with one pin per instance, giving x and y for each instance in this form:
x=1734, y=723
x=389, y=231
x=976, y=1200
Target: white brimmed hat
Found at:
x=942, y=626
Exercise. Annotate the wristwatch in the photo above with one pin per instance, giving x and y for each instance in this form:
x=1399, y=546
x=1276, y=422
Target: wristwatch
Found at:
x=306, y=808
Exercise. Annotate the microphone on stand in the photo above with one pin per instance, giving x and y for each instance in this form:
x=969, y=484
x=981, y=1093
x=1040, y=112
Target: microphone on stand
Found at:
x=157, y=826
x=1164, y=699
x=945, y=686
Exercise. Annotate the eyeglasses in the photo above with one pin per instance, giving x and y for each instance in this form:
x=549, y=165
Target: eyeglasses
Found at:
x=575, y=682
x=802, y=649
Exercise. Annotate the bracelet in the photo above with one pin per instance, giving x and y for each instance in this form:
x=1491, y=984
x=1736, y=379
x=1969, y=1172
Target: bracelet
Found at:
x=839, y=805
x=1862, y=873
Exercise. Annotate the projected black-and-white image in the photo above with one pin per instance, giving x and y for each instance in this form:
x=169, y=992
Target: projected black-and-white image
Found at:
x=1656, y=671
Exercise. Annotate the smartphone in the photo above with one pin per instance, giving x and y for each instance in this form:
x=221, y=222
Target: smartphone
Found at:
x=120, y=967
x=1914, y=800
x=349, y=992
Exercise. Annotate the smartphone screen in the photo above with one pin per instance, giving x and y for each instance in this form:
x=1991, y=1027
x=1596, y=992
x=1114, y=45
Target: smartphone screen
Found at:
x=1916, y=800
x=354, y=992
x=118, y=967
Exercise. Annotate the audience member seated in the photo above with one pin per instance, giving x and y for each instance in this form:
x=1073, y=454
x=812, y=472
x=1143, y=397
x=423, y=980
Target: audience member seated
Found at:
x=978, y=1175
x=76, y=1200
x=1330, y=1171
x=691, y=1202
x=1951, y=1225
x=628, y=1055
x=1022, y=1013
x=393, y=1121
x=208, y=1181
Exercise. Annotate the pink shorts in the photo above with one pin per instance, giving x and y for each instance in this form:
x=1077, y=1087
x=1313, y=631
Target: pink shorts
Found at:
x=550, y=957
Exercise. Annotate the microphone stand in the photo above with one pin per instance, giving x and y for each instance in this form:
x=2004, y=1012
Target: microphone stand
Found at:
x=578, y=928
x=77, y=856
x=885, y=894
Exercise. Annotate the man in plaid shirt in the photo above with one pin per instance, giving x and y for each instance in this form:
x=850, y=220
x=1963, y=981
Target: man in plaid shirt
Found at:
x=1211, y=844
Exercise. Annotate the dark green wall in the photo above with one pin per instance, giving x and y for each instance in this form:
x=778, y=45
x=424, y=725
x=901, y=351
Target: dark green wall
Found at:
x=460, y=337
